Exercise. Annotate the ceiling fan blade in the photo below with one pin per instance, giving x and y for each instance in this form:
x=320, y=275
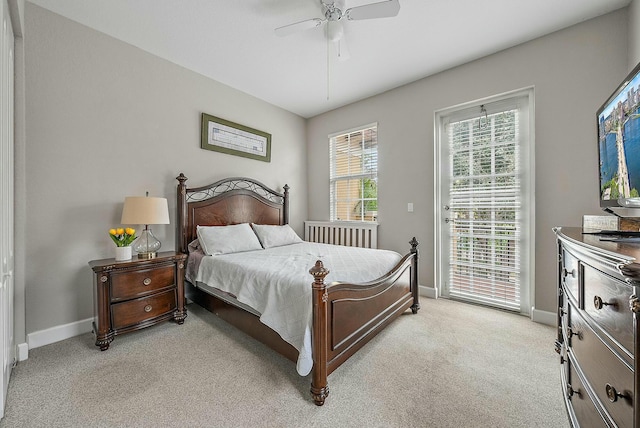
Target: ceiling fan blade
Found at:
x=299, y=26
x=383, y=9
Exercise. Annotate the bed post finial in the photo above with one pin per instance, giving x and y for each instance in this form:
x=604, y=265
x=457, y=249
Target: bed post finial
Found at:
x=414, y=245
x=414, y=275
x=285, y=203
x=319, y=385
x=181, y=178
x=319, y=272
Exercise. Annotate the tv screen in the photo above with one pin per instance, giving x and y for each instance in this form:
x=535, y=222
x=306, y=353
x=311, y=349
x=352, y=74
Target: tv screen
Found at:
x=619, y=145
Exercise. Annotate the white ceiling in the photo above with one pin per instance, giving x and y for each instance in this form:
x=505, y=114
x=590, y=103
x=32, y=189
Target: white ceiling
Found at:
x=233, y=41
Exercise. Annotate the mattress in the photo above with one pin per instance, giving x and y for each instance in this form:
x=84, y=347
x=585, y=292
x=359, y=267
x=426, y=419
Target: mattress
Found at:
x=276, y=285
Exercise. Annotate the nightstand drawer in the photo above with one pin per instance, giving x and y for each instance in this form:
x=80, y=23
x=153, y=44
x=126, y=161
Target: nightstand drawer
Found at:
x=139, y=310
x=128, y=285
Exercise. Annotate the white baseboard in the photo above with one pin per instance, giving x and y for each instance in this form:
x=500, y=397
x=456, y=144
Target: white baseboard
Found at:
x=58, y=333
x=430, y=292
x=544, y=317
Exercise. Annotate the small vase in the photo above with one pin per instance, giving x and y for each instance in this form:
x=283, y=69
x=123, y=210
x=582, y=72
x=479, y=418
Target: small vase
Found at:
x=123, y=253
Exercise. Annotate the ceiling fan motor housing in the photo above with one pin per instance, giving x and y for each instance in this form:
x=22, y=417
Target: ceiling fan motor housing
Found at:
x=333, y=13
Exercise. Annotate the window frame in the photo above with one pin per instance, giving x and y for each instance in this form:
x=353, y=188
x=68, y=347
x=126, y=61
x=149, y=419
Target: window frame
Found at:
x=335, y=180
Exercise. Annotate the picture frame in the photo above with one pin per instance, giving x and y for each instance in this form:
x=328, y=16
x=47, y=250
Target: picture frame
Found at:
x=224, y=136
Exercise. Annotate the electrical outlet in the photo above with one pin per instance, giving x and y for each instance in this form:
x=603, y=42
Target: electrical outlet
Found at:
x=410, y=207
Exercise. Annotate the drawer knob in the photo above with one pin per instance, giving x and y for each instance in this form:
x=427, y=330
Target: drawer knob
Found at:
x=146, y=281
x=571, y=272
x=574, y=333
x=612, y=394
x=148, y=308
x=599, y=303
x=571, y=391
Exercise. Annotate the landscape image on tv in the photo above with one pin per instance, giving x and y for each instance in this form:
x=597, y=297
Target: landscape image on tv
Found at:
x=619, y=144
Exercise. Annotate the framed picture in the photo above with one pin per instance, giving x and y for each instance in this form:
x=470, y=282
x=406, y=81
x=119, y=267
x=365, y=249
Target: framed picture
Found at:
x=231, y=138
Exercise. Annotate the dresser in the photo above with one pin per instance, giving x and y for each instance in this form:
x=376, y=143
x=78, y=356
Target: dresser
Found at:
x=598, y=306
x=137, y=293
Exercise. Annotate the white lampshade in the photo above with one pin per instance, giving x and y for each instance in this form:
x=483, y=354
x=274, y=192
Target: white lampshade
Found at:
x=145, y=210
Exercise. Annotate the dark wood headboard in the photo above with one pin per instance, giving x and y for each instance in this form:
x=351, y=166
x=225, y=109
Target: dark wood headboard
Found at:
x=229, y=201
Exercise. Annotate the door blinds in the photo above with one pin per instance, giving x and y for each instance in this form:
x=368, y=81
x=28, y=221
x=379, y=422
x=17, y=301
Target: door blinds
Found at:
x=484, y=209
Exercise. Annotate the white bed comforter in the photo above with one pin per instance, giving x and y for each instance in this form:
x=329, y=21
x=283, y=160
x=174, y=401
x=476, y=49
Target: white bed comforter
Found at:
x=276, y=283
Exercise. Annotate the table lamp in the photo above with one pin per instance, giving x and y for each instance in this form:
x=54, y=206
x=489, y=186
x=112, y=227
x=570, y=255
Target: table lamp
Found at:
x=145, y=210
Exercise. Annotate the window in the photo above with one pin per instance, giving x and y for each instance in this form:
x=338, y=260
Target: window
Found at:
x=354, y=174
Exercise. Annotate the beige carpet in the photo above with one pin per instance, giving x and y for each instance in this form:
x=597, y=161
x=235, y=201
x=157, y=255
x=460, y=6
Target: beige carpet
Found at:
x=452, y=365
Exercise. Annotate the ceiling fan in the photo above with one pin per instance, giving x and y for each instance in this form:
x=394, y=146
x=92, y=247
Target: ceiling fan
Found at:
x=334, y=14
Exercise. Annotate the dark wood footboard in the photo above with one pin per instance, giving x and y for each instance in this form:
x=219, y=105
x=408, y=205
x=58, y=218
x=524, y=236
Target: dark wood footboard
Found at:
x=346, y=316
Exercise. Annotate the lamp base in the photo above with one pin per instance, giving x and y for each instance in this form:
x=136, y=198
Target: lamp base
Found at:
x=146, y=245
x=147, y=255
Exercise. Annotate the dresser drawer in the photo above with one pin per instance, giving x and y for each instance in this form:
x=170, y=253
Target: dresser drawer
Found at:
x=581, y=405
x=569, y=273
x=136, y=311
x=606, y=301
x=128, y=285
x=604, y=371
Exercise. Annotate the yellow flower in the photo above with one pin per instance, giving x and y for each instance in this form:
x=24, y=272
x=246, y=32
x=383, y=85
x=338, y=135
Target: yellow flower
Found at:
x=122, y=237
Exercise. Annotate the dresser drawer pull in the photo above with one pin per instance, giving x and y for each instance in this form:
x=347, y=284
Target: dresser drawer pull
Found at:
x=599, y=303
x=571, y=391
x=612, y=394
x=148, y=308
x=571, y=272
x=574, y=333
x=146, y=281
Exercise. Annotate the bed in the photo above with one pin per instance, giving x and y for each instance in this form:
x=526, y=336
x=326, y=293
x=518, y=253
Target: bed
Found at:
x=343, y=316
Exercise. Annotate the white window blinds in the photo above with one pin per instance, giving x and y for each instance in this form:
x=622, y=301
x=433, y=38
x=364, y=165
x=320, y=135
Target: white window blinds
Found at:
x=354, y=175
x=485, y=206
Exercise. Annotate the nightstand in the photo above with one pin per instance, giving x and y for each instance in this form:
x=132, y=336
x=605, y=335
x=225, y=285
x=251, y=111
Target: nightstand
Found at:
x=134, y=294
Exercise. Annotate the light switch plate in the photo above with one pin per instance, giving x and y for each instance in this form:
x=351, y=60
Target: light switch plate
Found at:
x=410, y=207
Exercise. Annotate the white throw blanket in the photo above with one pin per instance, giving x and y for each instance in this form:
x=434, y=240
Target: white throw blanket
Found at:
x=276, y=283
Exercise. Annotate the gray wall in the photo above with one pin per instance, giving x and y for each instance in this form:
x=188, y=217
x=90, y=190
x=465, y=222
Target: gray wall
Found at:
x=106, y=120
x=572, y=70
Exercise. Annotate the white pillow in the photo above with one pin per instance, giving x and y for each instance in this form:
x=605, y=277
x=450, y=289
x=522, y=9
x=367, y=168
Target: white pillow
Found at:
x=227, y=239
x=275, y=236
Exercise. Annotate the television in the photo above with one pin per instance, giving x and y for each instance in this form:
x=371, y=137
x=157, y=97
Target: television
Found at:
x=619, y=148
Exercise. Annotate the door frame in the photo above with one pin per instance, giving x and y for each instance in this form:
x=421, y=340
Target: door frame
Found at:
x=7, y=216
x=528, y=156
